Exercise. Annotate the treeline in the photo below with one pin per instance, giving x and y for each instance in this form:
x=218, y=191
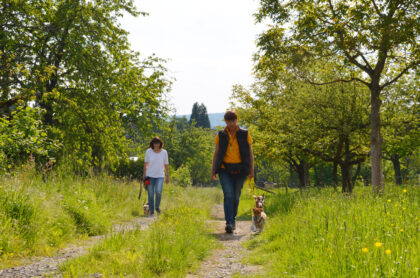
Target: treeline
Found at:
x=336, y=89
x=72, y=90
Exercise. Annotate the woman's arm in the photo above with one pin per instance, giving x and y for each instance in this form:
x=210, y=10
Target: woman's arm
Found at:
x=166, y=173
x=146, y=164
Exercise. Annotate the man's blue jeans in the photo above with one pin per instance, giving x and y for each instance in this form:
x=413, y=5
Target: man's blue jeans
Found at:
x=232, y=186
x=156, y=186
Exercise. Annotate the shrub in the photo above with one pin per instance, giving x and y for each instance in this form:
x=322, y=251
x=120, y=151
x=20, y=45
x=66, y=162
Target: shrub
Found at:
x=182, y=176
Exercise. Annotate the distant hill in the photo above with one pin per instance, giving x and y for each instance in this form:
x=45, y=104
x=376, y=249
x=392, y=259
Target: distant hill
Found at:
x=216, y=119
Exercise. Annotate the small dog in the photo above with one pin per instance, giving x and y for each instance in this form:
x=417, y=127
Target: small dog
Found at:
x=259, y=201
x=259, y=218
x=146, y=209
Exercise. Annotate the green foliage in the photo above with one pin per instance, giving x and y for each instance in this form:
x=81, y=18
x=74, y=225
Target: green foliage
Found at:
x=374, y=42
x=192, y=146
x=322, y=234
x=23, y=134
x=130, y=169
x=182, y=176
x=297, y=121
x=72, y=59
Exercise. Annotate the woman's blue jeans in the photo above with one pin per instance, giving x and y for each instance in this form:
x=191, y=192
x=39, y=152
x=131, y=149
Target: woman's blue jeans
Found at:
x=232, y=187
x=156, y=186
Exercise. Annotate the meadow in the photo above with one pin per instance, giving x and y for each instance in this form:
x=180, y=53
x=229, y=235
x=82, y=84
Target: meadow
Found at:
x=39, y=217
x=323, y=233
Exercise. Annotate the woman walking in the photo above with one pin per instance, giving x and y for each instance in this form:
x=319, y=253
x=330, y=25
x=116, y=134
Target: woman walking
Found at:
x=233, y=160
x=156, y=167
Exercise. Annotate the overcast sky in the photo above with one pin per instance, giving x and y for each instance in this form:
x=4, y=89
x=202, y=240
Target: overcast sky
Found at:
x=209, y=45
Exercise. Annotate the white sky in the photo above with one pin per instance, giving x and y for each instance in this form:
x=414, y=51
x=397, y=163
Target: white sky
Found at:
x=209, y=45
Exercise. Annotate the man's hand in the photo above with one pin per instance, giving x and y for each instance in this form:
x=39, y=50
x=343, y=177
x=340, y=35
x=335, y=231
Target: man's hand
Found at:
x=213, y=176
x=251, y=174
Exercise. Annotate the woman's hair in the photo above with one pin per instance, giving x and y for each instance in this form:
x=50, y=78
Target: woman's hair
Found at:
x=156, y=140
x=231, y=115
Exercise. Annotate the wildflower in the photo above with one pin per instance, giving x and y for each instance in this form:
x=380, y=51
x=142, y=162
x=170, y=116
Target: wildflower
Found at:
x=378, y=244
x=392, y=225
x=365, y=250
x=401, y=230
x=389, y=200
x=388, y=213
x=405, y=190
x=403, y=208
x=388, y=252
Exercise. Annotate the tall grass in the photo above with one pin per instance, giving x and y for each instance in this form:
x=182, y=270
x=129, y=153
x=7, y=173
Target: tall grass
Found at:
x=321, y=233
x=168, y=248
x=39, y=217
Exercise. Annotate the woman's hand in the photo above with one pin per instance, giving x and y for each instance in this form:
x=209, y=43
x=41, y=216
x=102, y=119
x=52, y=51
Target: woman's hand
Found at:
x=167, y=179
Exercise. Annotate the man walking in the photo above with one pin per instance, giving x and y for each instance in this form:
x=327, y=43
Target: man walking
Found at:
x=233, y=161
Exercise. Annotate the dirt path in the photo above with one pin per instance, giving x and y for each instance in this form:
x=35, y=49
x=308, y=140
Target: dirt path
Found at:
x=48, y=266
x=227, y=261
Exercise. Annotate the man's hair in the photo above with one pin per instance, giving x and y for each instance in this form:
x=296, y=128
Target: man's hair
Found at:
x=231, y=115
x=156, y=140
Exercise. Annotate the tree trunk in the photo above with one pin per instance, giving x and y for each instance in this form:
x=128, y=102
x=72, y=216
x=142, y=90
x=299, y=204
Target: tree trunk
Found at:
x=356, y=174
x=335, y=178
x=307, y=177
x=397, y=168
x=376, y=140
x=301, y=175
x=317, y=179
x=346, y=179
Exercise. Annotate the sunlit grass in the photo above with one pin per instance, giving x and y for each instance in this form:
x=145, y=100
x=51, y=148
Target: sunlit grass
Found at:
x=38, y=218
x=322, y=233
x=168, y=248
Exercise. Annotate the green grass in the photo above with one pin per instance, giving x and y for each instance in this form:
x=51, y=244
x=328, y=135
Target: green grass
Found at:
x=170, y=247
x=38, y=218
x=322, y=233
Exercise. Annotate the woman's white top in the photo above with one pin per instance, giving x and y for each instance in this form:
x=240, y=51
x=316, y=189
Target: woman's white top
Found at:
x=156, y=163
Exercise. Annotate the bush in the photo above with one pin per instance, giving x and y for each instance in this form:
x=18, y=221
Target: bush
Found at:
x=182, y=176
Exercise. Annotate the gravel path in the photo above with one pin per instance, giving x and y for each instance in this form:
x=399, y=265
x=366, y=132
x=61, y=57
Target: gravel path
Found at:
x=227, y=261
x=48, y=266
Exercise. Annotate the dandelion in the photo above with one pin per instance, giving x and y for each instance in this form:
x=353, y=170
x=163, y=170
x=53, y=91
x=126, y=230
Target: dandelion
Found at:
x=403, y=208
x=388, y=252
x=405, y=190
x=388, y=213
x=378, y=244
x=365, y=250
x=389, y=200
x=402, y=230
x=392, y=225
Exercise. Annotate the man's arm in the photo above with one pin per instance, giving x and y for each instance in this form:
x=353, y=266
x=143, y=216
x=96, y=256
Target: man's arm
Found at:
x=213, y=174
x=251, y=162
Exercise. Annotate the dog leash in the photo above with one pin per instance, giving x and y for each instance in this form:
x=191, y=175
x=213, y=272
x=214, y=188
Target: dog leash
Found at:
x=251, y=185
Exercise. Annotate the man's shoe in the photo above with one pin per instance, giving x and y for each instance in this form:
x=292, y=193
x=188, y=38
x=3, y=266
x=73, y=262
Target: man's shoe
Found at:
x=229, y=228
x=234, y=226
x=158, y=211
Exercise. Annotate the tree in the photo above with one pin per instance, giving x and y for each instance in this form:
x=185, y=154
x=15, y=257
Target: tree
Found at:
x=301, y=123
x=200, y=116
x=402, y=123
x=71, y=59
x=189, y=148
x=378, y=41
